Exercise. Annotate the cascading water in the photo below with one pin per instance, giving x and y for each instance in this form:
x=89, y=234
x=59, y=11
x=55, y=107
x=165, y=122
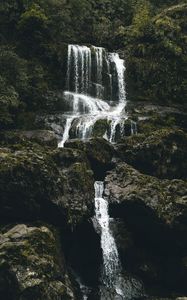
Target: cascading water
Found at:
x=78, y=69
x=115, y=285
x=96, y=90
x=95, y=78
x=111, y=275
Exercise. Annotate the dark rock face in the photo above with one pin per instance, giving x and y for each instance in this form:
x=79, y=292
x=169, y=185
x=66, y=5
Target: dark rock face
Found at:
x=41, y=137
x=151, y=116
x=161, y=154
x=98, y=151
x=155, y=214
x=163, y=200
x=53, y=122
x=31, y=266
x=37, y=183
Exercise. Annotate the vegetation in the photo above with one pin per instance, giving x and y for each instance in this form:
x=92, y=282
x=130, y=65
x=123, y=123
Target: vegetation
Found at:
x=33, y=44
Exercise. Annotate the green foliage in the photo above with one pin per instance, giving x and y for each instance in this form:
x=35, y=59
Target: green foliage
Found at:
x=13, y=68
x=9, y=102
x=157, y=62
x=33, y=47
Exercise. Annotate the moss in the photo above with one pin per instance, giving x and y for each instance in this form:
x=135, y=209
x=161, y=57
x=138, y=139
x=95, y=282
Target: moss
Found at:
x=32, y=256
x=156, y=58
x=100, y=128
x=161, y=153
x=35, y=180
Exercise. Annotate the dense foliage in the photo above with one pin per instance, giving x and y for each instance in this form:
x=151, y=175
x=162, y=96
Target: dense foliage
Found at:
x=33, y=44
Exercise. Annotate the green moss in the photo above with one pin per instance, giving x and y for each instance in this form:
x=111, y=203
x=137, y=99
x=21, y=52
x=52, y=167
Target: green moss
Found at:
x=100, y=128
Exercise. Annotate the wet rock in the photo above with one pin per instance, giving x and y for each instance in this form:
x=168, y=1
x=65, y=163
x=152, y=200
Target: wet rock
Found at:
x=54, y=122
x=41, y=137
x=132, y=192
x=100, y=128
x=98, y=151
x=31, y=266
x=151, y=116
x=38, y=183
x=155, y=213
x=84, y=254
x=161, y=154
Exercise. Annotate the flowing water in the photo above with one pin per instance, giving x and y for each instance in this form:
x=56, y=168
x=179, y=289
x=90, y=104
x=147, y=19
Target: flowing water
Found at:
x=114, y=284
x=95, y=84
x=111, y=273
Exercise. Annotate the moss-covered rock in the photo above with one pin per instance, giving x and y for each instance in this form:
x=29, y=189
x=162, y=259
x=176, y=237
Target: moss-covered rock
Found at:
x=99, y=153
x=31, y=266
x=151, y=117
x=161, y=154
x=166, y=199
x=37, y=183
x=41, y=137
x=100, y=128
x=154, y=211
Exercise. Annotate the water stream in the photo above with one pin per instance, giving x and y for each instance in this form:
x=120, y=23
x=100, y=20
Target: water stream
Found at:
x=111, y=287
x=95, y=84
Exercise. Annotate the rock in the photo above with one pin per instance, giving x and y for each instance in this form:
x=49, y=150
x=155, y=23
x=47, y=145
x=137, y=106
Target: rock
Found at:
x=161, y=154
x=54, y=122
x=155, y=213
x=151, y=116
x=31, y=266
x=146, y=199
x=100, y=128
x=41, y=137
x=99, y=153
x=38, y=183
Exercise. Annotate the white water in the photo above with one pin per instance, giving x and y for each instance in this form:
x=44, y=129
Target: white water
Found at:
x=111, y=276
x=69, y=121
x=89, y=109
x=134, y=129
x=79, y=68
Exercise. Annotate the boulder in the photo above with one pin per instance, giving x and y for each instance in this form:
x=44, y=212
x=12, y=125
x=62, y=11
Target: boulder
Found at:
x=151, y=116
x=146, y=201
x=31, y=266
x=41, y=137
x=154, y=212
x=38, y=183
x=99, y=153
x=161, y=154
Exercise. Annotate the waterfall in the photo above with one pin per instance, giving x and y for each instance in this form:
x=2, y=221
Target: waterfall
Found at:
x=115, y=285
x=120, y=69
x=111, y=275
x=134, y=129
x=69, y=121
x=94, y=78
x=79, y=69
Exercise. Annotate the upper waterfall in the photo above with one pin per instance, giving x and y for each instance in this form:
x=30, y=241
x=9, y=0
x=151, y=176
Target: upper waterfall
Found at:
x=78, y=69
x=95, y=89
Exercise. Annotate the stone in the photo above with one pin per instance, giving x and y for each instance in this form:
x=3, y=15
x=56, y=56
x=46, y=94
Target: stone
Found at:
x=39, y=183
x=135, y=193
x=161, y=154
x=31, y=266
x=99, y=153
x=41, y=137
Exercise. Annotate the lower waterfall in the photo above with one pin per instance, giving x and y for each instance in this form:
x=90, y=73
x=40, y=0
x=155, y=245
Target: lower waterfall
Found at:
x=114, y=283
x=111, y=273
